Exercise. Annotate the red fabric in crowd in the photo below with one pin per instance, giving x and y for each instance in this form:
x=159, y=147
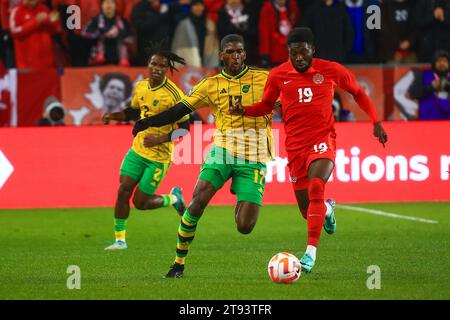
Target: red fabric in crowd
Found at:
x=32, y=41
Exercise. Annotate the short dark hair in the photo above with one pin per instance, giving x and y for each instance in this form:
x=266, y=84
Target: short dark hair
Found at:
x=119, y=76
x=231, y=38
x=161, y=49
x=300, y=35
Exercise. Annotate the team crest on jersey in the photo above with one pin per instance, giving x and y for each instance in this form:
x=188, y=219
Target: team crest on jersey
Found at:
x=155, y=102
x=318, y=78
x=293, y=179
x=246, y=88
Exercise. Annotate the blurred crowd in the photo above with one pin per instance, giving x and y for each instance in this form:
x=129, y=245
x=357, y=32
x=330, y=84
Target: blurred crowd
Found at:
x=53, y=33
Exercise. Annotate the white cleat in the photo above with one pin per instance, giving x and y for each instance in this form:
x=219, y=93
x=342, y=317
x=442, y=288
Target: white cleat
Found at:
x=118, y=245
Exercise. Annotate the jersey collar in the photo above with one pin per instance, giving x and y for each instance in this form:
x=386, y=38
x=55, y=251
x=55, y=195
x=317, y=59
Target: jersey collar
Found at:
x=240, y=75
x=158, y=87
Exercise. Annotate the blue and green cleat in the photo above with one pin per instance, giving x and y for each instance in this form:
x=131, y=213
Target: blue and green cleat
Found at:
x=180, y=204
x=329, y=225
x=307, y=263
x=117, y=245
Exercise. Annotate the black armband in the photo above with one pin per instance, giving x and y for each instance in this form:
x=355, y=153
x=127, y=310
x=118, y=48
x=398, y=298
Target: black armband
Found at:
x=169, y=116
x=181, y=131
x=131, y=114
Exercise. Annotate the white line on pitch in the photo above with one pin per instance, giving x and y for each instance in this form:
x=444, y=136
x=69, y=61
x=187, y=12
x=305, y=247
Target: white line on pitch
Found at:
x=385, y=214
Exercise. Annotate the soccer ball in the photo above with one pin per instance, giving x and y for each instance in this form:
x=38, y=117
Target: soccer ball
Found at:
x=284, y=267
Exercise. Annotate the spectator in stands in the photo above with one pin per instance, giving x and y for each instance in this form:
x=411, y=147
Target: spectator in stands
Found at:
x=152, y=23
x=111, y=33
x=398, y=34
x=77, y=46
x=212, y=9
x=433, y=24
x=333, y=31
x=235, y=17
x=432, y=89
x=195, y=38
x=276, y=20
x=364, y=45
x=32, y=25
x=6, y=42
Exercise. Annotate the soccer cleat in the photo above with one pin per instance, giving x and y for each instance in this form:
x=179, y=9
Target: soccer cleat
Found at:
x=329, y=225
x=180, y=205
x=117, y=245
x=307, y=263
x=176, y=271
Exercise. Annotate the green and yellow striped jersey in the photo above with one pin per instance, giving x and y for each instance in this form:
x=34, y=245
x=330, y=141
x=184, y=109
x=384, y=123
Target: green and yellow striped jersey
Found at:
x=245, y=137
x=152, y=101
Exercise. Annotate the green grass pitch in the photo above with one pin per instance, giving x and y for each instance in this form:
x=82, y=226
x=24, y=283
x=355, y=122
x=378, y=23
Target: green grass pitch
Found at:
x=37, y=246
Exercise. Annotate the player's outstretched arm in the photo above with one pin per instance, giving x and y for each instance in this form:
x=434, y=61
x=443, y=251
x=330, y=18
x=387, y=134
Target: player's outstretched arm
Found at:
x=181, y=131
x=257, y=110
x=169, y=116
x=347, y=81
x=128, y=114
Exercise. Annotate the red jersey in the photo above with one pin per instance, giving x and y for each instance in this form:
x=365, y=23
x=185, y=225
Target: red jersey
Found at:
x=32, y=41
x=306, y=100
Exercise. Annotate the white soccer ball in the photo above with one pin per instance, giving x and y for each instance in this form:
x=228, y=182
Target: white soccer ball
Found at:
x=284, y=267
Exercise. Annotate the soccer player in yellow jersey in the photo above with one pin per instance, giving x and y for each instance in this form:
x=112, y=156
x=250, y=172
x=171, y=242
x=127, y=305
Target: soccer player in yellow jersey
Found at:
x=242, y=145
x=150, y=156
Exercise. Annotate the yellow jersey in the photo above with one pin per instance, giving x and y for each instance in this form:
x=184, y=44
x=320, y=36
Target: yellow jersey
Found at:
x=152, y=101
x=245, y=137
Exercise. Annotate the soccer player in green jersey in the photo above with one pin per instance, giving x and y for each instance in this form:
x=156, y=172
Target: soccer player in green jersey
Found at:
x=242, y=145
x=147, y=162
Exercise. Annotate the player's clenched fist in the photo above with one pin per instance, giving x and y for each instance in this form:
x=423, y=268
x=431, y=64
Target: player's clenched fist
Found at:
x=379, y=133
x=236, y=108
x=106, y=118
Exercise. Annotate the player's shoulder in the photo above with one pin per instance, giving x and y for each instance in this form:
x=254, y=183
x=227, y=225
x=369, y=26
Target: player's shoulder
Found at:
x=172, y=85
x=326, y=65
x=281, y=70
x=141, y=85
x=258, y=70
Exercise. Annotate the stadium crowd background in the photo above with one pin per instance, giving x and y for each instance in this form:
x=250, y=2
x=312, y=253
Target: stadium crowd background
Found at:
x=116, y=32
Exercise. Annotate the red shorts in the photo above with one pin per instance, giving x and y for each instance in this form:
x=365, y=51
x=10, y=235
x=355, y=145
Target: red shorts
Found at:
x=299, y=160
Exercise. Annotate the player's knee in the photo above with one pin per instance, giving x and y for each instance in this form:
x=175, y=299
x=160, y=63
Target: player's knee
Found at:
x=139, y=203
x=245, y=228
x=316, y=189
x=125, y=191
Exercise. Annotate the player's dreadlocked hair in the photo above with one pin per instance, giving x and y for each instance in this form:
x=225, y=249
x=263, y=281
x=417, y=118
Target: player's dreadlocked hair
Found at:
x=160, y=49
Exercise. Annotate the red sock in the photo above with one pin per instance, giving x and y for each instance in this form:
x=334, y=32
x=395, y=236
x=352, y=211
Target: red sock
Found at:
x=316, y=210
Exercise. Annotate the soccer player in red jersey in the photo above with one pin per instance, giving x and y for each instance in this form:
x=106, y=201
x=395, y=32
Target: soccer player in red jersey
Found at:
x=305, y=86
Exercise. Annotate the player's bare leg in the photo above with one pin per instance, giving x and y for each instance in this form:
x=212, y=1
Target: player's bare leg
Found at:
x=319, y=172
x=122, y=212
x=302, y=201
x=143, y=201
x=246, y=216
x=203, y=193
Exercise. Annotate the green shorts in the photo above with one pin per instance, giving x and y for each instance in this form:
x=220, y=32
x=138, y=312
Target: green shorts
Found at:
x=248, y=179
x=148, y=173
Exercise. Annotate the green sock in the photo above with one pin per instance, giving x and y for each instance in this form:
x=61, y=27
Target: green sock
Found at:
x=168, y=200
x=186, y=233
x=120, y=228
